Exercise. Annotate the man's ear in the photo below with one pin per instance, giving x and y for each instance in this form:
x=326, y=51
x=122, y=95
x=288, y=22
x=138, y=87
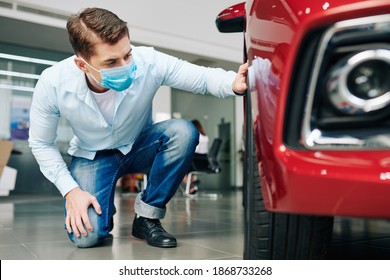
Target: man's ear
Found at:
x=80, y=63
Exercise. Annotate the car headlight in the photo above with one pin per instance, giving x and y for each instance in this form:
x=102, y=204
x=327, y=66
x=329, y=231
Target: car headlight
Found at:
x=360, y=83
x=340, y=92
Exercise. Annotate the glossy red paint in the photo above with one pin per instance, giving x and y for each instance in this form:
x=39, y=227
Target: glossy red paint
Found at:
x=347, y=183
x=232, y=12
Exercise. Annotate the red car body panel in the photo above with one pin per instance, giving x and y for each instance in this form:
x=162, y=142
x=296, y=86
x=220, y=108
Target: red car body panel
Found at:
x=342, y=183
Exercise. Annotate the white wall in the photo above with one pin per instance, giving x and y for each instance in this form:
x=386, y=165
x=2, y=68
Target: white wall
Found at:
x=5, y=113
x=239, y=121
x=162, y=104
x=181, y=25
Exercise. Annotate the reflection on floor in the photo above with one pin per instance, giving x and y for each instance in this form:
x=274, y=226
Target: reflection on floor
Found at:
x=360, y=239
x=207, y=227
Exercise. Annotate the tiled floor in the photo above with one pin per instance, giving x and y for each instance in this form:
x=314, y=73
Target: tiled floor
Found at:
x=209, y=227
x=360, y=239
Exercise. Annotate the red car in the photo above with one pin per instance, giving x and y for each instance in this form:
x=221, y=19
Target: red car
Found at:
x=317, y=119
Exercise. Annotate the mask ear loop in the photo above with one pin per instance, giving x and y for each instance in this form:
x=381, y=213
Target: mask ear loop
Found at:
x=89, y=64
x=99, y=83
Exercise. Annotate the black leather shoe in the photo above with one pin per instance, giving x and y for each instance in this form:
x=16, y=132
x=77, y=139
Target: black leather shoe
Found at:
x=153, y=232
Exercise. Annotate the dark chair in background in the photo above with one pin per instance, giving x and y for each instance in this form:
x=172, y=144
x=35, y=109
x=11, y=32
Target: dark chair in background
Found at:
x=205, y=163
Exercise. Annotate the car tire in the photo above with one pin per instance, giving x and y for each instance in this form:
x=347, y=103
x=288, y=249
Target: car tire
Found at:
x=276, y=235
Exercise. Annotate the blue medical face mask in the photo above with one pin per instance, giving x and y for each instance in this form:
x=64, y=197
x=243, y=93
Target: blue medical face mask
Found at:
x=117, y=78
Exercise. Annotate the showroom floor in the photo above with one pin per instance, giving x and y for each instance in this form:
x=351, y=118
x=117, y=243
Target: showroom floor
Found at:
x=208, y=227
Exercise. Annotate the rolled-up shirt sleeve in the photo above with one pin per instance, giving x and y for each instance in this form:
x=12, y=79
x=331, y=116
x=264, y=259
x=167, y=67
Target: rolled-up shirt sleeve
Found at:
x=44, y=117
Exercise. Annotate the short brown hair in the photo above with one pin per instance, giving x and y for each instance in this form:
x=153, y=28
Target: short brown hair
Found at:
x=91, y=26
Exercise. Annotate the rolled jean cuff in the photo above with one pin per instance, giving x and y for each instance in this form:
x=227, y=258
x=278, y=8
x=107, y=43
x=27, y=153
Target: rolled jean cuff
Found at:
x=147, y=211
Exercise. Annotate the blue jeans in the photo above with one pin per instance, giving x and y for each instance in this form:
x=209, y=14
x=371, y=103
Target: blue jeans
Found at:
x=164, y=151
